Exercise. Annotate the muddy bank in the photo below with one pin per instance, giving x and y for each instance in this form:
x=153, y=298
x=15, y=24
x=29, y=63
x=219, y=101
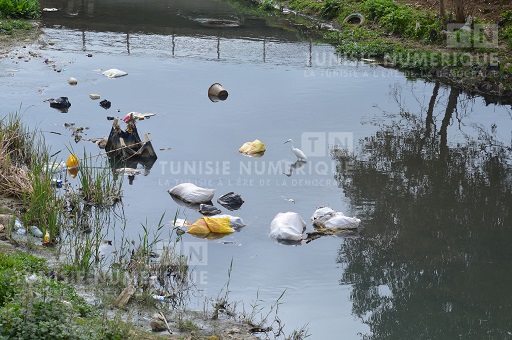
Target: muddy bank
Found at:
x=18, y=39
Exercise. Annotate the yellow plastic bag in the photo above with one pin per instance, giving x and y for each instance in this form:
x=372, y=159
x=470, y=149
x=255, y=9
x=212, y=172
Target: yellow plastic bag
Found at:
x=205, y=225
x=72, y=164
x=219, y=225
x=72, y=161
x=254, y=147
x=199, y=227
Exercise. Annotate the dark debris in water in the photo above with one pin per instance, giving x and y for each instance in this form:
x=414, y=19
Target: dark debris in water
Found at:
x=76, y=132
x=105, y=104
x=208, y=210
x=231, y=201
x=62, y=104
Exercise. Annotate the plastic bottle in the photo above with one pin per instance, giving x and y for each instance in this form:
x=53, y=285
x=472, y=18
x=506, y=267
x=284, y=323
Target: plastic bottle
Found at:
x=57, y=182
x=17, y=224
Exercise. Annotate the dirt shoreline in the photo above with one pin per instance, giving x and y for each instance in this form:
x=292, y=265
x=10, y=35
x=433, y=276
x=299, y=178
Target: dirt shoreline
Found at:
x=9, y=43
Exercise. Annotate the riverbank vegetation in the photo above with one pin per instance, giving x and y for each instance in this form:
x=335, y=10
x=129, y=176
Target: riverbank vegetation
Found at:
x=19, y=9
x=17, y=23
x=14, y=13
x=455, y=42
x=34, y=305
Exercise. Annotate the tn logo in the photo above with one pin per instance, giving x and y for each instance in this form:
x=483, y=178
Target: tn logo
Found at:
x=318, y=144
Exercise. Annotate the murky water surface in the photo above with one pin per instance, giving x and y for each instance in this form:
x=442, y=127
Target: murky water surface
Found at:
x=431, y=178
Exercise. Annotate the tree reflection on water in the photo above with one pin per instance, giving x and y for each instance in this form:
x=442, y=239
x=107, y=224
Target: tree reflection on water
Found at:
x=434, y=259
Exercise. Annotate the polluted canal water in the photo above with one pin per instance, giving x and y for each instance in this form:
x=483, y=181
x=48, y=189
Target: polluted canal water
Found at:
x=426, y=168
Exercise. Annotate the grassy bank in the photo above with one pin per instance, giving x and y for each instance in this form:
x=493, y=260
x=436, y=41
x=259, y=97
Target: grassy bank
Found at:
x=14, y=13
x=418, y=41
x=17, y=23
x=33, y=305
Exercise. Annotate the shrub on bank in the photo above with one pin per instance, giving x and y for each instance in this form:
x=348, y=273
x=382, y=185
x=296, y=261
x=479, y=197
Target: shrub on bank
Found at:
x=402, y=20
x=19, y=9
x=506, y=22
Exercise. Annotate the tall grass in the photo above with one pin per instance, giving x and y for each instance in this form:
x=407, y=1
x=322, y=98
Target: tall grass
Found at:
x=26, y=172
x=23, y=157
x=45, y=208
x=99, y=186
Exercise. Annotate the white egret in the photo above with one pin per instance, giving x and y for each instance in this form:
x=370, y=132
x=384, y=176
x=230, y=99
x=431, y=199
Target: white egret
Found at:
x=298, y=152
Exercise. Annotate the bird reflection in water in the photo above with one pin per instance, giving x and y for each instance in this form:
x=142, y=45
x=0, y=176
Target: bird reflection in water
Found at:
x=295, y=166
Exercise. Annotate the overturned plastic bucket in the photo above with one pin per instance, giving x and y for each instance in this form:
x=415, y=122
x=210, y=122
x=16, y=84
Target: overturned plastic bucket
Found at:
x=216, y=93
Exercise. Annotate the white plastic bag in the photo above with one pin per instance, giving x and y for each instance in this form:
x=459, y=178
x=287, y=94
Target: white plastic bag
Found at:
x=114, y=73
x=191, y=193
x=234, y=221
x=287, y=226
x=328, y=218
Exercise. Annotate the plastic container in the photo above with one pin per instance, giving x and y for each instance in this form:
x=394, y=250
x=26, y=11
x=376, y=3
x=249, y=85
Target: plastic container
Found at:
x=57, y=182
x=216, y=93
x=46, y=238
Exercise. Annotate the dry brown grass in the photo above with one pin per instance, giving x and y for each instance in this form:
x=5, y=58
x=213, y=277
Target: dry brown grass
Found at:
x=15, y=154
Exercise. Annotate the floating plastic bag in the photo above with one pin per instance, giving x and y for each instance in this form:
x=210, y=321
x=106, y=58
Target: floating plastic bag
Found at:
x=72, y=161
x=251, y=148
x=287, y=226
x=191, y=193
x=106, y=104
x=218, y=224
x=231, y=201
x=328, y=218
x=61, y=103
x=114, y=73
x=72, y=165
x=206, y=225
x=138, y=115
x=235, y=222
x=208, y=210
x=180, y=222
